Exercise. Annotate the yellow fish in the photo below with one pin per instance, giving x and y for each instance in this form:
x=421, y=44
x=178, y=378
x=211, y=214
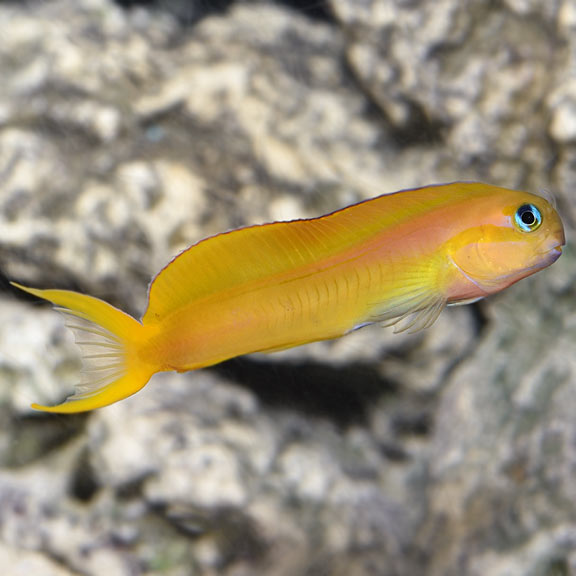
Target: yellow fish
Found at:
x=397, y=259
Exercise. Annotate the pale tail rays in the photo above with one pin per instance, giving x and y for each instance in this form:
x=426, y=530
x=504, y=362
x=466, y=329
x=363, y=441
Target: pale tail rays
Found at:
x=102, y=354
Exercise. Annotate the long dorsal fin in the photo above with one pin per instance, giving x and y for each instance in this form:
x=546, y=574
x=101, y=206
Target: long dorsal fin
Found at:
x=234, y=258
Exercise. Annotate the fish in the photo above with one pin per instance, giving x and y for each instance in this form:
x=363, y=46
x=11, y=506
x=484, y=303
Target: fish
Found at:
x=397, y=259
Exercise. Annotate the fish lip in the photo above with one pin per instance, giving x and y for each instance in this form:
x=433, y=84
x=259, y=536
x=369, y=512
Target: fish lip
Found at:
x=554, y=253
x=549, y=251
x=555, y=247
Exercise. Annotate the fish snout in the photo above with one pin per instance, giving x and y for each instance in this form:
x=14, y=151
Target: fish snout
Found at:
x=551, y=250
x=554, y=242
x=554, y=254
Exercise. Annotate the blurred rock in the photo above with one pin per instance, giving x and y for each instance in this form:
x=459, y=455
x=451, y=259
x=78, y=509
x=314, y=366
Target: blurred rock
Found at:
x=24, y=562
x=222, y=467
x=185, y=11
x=504, y=452
x=473, y=77
x=32, y=357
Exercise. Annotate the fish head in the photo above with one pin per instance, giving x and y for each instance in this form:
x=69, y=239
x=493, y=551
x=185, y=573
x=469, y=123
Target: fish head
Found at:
x=505, y=237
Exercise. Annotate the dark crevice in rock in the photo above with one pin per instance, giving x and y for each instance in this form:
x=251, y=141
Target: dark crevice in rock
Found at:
x=411, y=423
x=59, y=279
x=187, y=12
x=315, y=9
x=35, y=437
x=419, y=129
x=342, y=394
x=132, y=490
x=394, y=452
x=480, y=319
x=83, y=484
x=557, y=567
x=54, y=276
x=238, y=537
x=7, y=288
x=480, y=325
x=236, y=534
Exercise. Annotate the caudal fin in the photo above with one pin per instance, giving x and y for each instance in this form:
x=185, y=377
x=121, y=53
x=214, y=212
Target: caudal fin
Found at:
x=109, y=341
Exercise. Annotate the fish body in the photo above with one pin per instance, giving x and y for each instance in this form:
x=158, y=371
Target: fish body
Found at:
x=396, y=259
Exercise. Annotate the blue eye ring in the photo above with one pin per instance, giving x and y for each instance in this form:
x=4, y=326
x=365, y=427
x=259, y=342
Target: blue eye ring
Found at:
x=528, y=218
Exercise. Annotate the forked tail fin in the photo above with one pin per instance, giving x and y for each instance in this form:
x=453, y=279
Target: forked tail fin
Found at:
x=109, y=341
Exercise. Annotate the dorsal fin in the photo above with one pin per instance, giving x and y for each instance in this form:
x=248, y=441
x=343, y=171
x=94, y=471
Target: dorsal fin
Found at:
x=241, y=256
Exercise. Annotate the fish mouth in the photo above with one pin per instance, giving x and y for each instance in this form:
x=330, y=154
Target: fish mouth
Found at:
x=556, y=252
x=553, y=253
x=552, y=245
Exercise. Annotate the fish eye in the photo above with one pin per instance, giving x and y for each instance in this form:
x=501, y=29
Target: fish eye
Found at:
x=528, y=218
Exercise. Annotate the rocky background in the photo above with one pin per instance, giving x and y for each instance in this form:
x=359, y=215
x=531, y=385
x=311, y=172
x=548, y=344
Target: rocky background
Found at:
x=128, y=131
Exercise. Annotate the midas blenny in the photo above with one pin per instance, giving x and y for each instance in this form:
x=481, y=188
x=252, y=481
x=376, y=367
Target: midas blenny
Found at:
x=397, y=259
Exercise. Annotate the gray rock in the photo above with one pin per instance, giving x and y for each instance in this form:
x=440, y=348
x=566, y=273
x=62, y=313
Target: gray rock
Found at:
x=503, y=453
x=26, y=562
x=37, y=356
x=471, y=77
x=216, y=463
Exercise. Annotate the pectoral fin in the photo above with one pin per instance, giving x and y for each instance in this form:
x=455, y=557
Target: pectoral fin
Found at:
x=415, y=308
x=420, y=315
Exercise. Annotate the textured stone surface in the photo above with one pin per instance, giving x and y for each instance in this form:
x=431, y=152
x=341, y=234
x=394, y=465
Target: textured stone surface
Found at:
x=22, y=563
x=503, y=452
x=124, y=137
x=474, y=76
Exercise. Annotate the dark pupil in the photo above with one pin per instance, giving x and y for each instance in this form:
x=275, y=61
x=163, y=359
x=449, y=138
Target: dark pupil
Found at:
x=528, y=217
